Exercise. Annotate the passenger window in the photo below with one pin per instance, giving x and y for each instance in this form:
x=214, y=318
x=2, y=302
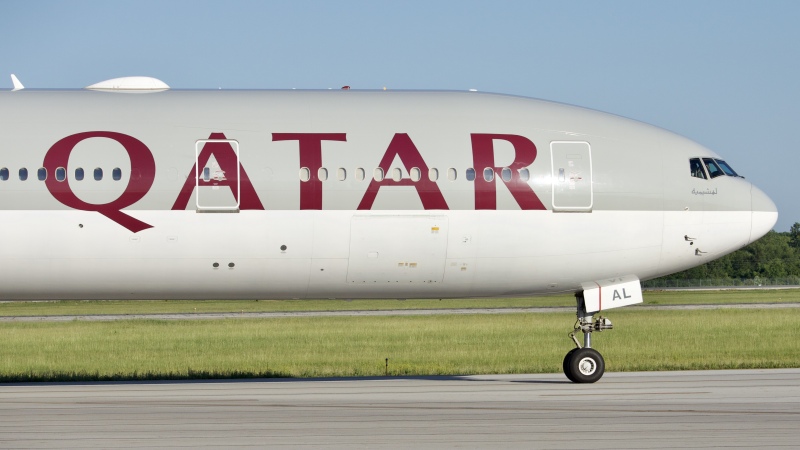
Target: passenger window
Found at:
x=713, y=169
x=360, y=174
x=488, y=174
x=415, y=174
x=4, y=174
x=433, y=174
x=452, y=174
x=42, y=174
x=470, y=174
x=397, y=174
x=696, y=168
x=341, y=174
x=61, y=174
x=505, y=174
x=116, y=174
x=79, y=173
x=378, y=174
x=305, y=174
x=98, y=174
x=524, y=174
x=727, y=168
x=322, y=174
x=23, y=174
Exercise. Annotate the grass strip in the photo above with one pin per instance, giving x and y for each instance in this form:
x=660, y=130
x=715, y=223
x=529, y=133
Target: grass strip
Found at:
x=91, y=307
x=414, y=345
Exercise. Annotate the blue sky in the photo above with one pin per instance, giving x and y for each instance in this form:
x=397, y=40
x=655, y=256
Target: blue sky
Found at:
x=724, y=73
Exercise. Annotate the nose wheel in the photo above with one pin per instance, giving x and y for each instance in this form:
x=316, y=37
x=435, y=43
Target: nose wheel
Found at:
x=584, y=364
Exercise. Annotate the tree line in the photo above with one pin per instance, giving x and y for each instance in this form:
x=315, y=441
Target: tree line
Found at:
x=772, y=260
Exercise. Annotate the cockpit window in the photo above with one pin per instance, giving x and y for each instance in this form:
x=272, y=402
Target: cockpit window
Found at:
x=706, y=168
x=713, y=169
x=696, y=168
x=727, y=168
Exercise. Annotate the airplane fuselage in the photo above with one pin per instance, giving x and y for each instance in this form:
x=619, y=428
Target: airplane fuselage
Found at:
x=347, y=194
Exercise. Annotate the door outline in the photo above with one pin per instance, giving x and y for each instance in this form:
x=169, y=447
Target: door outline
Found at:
x=397, y=249
x=198, y=147
x=558, y=178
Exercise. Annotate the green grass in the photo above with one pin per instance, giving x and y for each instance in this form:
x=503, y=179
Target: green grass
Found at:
x=729, y=296
x=415, y=345
x=83, y=307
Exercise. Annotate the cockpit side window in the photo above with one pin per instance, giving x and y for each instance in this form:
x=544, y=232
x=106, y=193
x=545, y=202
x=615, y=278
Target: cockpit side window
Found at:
x=696, y=168
x=713, y=169
x=726, y=168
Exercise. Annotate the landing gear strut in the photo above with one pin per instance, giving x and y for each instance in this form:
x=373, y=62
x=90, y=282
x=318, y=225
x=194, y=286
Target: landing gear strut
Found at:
x=583, y=364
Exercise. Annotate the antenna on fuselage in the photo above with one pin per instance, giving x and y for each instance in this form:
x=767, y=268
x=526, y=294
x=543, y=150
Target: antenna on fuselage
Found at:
x=17, y=85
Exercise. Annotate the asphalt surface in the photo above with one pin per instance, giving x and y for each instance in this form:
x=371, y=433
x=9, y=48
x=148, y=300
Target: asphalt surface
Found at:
x=704, y=409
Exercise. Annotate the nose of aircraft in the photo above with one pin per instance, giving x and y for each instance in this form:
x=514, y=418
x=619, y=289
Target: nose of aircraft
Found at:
x=764, y=213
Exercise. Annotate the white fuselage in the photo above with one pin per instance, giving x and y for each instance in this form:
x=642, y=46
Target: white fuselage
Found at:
x=297, y=194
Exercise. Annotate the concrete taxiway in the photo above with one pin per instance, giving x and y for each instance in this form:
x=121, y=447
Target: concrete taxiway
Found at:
x=702, y=409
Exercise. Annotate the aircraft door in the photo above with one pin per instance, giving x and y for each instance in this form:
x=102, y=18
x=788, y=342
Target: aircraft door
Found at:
x=217, y=174
x=571, y=176
x=397, y=249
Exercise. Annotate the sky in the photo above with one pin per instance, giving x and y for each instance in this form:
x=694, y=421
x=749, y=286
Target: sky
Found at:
x=723, y=73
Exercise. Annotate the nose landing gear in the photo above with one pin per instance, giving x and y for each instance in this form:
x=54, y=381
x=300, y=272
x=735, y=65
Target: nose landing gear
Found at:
x=584, y=364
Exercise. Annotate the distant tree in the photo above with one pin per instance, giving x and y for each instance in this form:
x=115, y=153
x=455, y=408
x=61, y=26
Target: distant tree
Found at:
x=794, y=234
x=770, y=255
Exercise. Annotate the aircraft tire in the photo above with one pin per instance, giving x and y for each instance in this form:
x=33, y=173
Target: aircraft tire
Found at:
x=566, y=364
x=586, y=365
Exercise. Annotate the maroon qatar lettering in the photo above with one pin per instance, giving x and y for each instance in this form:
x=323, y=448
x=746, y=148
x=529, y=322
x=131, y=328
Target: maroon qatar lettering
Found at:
x=141, y=160
x=483, y=157
x=310, y=158
x=402, y=147
x=143, y=171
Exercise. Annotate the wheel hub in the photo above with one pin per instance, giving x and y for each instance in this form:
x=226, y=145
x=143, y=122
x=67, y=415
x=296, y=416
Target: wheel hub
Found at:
x=587, y=366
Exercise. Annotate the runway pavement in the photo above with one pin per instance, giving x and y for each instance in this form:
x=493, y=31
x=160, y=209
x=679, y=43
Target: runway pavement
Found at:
x=702, y=409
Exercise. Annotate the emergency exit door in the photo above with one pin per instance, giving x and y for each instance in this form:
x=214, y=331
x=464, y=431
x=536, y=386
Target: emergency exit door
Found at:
x=572, y=176
x=217, y=174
